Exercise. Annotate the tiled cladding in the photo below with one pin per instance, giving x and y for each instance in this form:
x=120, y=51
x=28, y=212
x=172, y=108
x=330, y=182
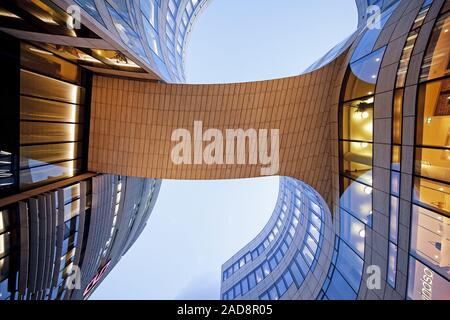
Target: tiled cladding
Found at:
x=88, y=224
x=294, y=264
x=154, y=30
x=132, y=124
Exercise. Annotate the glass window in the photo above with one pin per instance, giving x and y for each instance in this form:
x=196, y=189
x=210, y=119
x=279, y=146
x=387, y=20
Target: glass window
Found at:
x=273, y=294
x=4, y=220
x=350, y=265
x=353, y=232
x=357, y=124
x=281, y=286
x=259, y=275
x=339, y=289
x=302, y=264
x=393, y=223
x=314, y=232
x=4, y=243
x=430, y=239
x=90, y=7
x=433, y=121
x=357, y=160
x=148, y=8
x=237, y=290
x=432, y=194
x=288, y=278
x=39, y=86
x=152, y=37
x=406, y=56
x=273, y=263
x=39, y=60
x=278, y=256
x=296, y=273
x=395, y=183
x=367, y=42
x=308, y=255
x=435, y=63
x=244, y=285
x=34, y=177
x=266, y=268
x=397, y=118
x=425, y=284
x=127, y=34
x=264, y=296
x=362, y=76
x=433, y=163
x=357, y=200
x=251, y=280
x=392, y=264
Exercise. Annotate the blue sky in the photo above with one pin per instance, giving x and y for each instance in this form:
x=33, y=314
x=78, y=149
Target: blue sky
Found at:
x=198, y=225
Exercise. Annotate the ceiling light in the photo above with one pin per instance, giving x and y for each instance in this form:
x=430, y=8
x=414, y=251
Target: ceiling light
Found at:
x=364, y=115
x=368, y=190
x=362, y=233
x=364, y=145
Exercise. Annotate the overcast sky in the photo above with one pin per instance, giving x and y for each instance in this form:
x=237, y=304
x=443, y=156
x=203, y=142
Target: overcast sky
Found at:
x=197, y=225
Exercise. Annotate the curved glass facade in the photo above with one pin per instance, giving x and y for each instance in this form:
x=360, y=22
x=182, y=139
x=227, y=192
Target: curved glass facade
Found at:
x=289, y=255
x=155, y=30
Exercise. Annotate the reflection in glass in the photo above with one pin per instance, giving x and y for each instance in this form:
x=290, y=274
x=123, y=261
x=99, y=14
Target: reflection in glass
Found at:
x=392, y=264
x=433, y=120
x=433, y=163
x=362, y=76
x=430, y=239
x=357, y=160
x=37, y=176
x=432, y=194
x=436, y=60
x=356, y=198
x=47, y=110
x=352, y=232
x=367, y=42
x=357, y=120
x=425, y=284
x=45, y=62
x=397, y=118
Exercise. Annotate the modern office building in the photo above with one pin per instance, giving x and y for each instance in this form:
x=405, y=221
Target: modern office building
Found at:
x=364, y=138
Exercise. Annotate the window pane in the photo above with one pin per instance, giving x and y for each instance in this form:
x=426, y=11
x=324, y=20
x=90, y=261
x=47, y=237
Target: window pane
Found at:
x=350, y=265
x=430, y=239
x=353, y=232
x=362, y=76
x=432, y=194
x=433, y=163
x=46, y=110
x=439, y=289
x=357, y=120
x=433, y=115
x=437, y=56
x=357, y=160
x=356, y=198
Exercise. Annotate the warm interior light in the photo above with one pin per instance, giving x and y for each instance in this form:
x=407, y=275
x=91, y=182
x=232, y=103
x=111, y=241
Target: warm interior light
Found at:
x=36, y=50
x=365, y=115
x=364, y=145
